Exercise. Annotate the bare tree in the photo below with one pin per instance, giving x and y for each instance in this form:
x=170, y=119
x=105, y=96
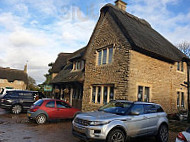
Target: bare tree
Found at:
x=185, y=48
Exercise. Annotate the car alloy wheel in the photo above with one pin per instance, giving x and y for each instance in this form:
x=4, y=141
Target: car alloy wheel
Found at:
x=41, y=119
x=163, y=133
x=116, y=136
x=16, y=109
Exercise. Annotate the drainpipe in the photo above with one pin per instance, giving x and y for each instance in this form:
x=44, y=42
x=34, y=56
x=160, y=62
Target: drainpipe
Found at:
x=188, y=93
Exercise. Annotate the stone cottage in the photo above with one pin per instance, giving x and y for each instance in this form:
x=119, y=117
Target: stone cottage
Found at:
x=127, y=59
x=14, y=79
x=68, y=77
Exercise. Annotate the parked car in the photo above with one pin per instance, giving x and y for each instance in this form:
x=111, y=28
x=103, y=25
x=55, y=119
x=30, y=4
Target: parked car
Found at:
x=18, y=100
x=47, y=109
x=4, y=91
x=184, y=136
x=120, y=119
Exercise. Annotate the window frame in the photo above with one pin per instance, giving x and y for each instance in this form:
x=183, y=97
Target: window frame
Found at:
x=104, y=59
x=143, y=93
x=180, y=101
x=99, y=94
x=78, y=65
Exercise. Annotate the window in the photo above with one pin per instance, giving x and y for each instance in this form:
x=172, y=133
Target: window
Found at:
x=110, y=55
x=140, y=93
x=50, y=104
x=178, y=95
x=180, y=66
x=99, y=57
x=180, y=99
x=102, y=94
x=38, y=103
x=99, y=94
x=93, y=94
x=105, y=56
x=62, y=104
x=150, y=109
x=138, y=108
x=105, y=94
x=78, y=65
x=111, y=93
x=143, y=94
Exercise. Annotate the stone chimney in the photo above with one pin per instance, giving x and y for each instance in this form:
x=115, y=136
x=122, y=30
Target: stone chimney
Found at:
x=121, y=4
x=25, y=68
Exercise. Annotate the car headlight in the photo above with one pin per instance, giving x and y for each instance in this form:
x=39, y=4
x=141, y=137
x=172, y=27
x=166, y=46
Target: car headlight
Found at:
x=98, y=123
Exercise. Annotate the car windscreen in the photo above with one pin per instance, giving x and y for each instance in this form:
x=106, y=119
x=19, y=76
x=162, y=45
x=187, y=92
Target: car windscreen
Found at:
x=115, y=107
x=38, y=103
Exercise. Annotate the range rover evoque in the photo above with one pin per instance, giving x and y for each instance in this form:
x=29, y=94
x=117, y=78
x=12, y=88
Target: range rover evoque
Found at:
x=120, y=120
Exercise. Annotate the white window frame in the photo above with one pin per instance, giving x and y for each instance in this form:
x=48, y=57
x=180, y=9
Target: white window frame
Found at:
x=101, y=93
x=107, y=56
x=180, y=99
x=75, y=65
x=143, y=95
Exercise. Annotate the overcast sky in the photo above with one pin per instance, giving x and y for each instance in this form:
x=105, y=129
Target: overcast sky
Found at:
x=38, y=30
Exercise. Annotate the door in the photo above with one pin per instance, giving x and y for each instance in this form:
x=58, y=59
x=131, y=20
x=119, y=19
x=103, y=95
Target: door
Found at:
x=63, y=110
x=51, y=109
x=152, y=118
x=26, y=99
x=136, y=123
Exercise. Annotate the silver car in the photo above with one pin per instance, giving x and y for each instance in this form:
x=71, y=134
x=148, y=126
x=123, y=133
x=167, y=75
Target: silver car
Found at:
x=119, y=120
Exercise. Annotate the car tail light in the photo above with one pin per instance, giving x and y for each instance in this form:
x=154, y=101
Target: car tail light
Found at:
x=34, y=108
x=2, y=100
x=180, y=136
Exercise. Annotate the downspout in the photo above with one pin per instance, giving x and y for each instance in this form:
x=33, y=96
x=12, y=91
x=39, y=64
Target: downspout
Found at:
x=188, y=93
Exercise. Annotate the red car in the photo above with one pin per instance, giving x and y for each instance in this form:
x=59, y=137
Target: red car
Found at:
x=47, y=109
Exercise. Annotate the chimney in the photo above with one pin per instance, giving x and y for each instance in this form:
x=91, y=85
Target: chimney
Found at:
x=25, y=68
x=121, y=4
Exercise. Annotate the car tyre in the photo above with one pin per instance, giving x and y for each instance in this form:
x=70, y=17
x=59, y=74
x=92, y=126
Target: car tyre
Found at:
x=116, y=135
x=162, y=135
x=16, y=109
x=41, y=119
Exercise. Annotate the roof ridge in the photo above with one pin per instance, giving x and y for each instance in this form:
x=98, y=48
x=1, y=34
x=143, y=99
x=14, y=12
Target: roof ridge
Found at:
x=11, y=69
x=141, y=20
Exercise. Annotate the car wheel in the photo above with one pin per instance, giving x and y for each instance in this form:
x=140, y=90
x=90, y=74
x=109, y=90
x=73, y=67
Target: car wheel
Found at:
x=162, y=135
x=41, y=119
x=16, y=109
x=116, y=135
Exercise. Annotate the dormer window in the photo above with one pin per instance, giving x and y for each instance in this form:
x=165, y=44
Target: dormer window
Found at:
x=180, y=66
x=105, y=55
x=78, y=65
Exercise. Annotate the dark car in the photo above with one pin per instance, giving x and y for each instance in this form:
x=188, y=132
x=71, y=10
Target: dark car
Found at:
x=48, y=109
x=18, y=100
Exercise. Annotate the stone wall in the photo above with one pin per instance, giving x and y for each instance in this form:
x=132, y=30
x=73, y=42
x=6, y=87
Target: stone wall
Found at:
x=16, y=84
x=163, y=79
x=116, y=73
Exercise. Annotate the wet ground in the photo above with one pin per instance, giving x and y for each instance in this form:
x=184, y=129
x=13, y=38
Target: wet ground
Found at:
x=16, y=128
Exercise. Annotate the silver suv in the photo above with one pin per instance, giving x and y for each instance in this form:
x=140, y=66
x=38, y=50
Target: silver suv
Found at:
x=119, y=120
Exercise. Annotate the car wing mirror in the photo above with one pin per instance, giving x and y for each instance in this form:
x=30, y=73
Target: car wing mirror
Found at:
x=135, y=113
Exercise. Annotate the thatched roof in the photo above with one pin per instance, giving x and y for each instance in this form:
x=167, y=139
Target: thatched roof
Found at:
x=66, y=74
x=142, y=36
x=12, y=74
x=60, y=62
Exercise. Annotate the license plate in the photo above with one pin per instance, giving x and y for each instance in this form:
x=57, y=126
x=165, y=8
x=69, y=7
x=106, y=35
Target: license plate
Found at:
x=29, y=114
x=79, y=129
